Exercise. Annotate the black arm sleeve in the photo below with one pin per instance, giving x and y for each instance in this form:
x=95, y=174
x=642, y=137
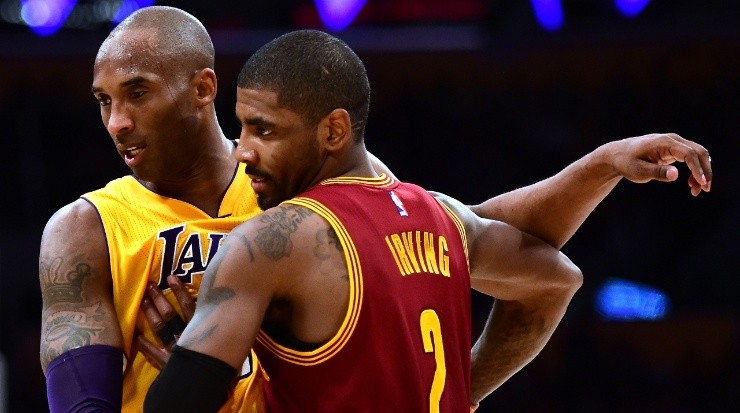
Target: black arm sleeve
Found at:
x=190, y=382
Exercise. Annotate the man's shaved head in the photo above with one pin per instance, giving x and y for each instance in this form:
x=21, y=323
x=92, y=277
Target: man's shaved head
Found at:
x=173, y=38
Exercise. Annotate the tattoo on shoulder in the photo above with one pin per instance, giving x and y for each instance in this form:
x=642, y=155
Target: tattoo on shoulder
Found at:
x=327, y=242
x=273, y=238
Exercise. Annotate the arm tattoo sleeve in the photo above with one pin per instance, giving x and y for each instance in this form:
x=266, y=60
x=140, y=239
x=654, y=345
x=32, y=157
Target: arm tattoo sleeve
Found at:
x=69, y=321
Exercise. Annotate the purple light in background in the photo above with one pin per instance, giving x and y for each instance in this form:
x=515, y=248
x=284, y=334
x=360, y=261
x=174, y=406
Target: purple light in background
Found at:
x=631, y=8
x=128, y=7
x=45, y=17
x=549, y=13
x=338, y=14
x=626, y=301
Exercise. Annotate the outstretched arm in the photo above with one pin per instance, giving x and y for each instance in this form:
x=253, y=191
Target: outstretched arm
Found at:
x=553, y=209
x=80, y=337
x=533, y=284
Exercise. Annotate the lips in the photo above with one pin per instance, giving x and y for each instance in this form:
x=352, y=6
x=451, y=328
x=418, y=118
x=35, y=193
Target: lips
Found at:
x=259, y=184
x=132, y=154
x=133, y=151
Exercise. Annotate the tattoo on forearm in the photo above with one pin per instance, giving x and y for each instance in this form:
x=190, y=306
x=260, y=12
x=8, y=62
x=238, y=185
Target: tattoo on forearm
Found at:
x=273, y=239
x=61, y=287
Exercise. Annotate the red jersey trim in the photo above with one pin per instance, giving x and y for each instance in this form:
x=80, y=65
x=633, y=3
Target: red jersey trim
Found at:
x=354, y=271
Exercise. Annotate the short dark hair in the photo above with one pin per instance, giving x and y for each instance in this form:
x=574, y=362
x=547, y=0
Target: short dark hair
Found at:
x=312, y=73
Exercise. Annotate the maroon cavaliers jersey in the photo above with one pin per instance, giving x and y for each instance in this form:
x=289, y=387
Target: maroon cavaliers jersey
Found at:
x=404, y=344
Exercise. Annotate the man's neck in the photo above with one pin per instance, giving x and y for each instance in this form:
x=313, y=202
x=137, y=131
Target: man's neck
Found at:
x=205, y=184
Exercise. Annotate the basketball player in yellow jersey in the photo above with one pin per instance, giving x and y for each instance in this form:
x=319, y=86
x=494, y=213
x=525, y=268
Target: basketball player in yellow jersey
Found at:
x=155, y=83
x=166, y=236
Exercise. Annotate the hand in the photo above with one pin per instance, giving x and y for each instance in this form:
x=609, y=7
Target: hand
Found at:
x=649, y=157
x=164, y=320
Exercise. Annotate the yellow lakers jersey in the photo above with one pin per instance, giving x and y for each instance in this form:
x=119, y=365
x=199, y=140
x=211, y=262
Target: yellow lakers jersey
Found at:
x=150, y=237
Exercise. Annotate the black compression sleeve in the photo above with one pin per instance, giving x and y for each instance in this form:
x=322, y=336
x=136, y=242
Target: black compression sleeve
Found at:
x=190, y=382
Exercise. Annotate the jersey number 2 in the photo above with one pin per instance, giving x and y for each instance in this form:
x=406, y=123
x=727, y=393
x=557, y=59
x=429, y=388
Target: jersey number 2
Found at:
x=431, y=334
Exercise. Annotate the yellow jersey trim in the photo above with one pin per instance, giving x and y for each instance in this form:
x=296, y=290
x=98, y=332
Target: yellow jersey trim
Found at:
x=379, y=181
x=460, y=229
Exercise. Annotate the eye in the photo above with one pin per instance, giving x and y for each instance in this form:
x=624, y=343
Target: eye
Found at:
x=262, y=131
x=137, y=94
x=102, y=100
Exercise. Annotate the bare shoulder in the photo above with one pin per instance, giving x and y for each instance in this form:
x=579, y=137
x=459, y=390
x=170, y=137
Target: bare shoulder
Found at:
x=270, y=250
x=74, y=229
x=276, y=233
x=261, y=258
x=472, y=222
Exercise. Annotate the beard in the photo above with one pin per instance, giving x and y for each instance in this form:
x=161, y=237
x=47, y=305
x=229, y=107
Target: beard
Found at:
x=265, y=203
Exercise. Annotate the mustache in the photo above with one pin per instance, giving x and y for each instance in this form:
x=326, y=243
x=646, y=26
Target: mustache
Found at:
x=250, y=170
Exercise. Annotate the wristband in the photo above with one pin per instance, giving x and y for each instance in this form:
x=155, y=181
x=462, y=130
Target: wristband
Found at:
x=86, y=379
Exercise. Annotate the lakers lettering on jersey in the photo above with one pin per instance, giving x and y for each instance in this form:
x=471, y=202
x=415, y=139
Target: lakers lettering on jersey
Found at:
x=150, y=237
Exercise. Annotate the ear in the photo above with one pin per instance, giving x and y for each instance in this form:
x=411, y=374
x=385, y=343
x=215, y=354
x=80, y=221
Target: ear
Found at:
x=205, y=86
x=336, y=130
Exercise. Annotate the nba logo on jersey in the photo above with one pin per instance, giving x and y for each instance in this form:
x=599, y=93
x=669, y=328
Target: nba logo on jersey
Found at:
x=399, y=205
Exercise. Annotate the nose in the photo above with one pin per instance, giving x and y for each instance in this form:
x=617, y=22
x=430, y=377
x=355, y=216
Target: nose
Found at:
x=119, y=120
x=245, y=152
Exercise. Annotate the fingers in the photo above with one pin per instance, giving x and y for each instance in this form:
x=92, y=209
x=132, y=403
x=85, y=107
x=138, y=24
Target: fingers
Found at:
x=154, y=354
x=644, y=171
x=165, y=309
x=697, y=159
x=152, y=315
x=186, y=301
x=161, y=315
x=667, y=173
x=161, y=328
x=650, y=157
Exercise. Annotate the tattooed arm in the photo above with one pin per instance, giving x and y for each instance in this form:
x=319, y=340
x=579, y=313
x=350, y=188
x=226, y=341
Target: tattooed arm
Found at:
x=267, y=260
x=75, y=280
x=533, y=284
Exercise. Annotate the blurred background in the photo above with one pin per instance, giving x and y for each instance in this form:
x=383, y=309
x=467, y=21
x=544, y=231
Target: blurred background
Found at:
x=472, y=98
